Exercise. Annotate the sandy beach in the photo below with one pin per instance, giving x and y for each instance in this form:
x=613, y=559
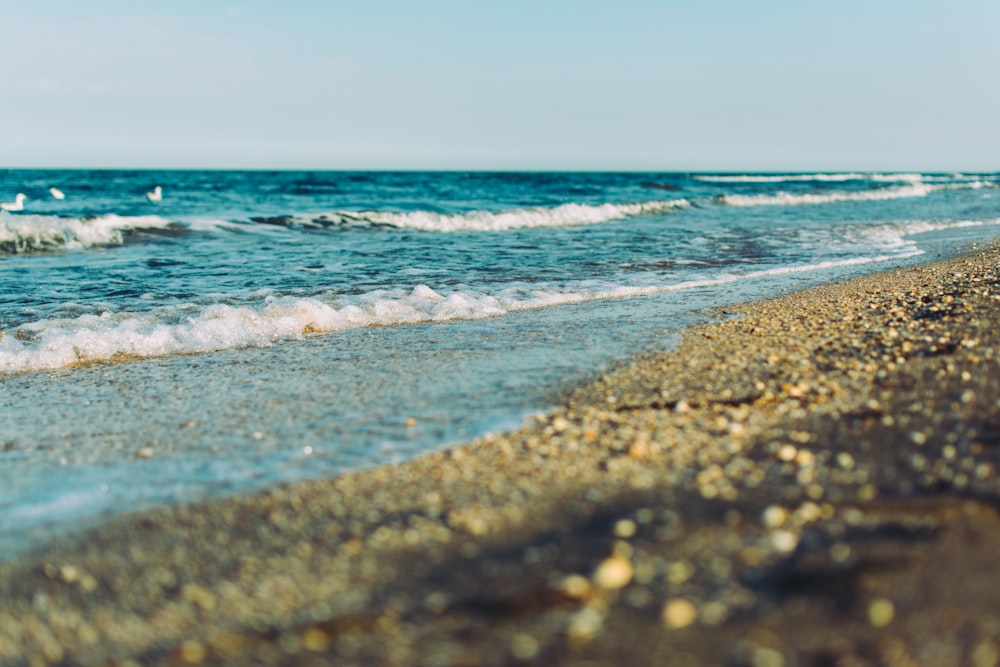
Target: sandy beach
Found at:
x=812, y=481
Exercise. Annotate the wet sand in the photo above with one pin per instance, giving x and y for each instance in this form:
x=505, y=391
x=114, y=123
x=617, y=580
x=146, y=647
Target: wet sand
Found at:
x=811, y=482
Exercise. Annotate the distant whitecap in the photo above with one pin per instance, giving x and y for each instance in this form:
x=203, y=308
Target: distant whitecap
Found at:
x=565, y=215
x=56, y=193
x=16, y=205
x=156, y=194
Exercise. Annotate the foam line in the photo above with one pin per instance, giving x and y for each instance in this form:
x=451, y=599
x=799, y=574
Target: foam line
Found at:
x=47, y=233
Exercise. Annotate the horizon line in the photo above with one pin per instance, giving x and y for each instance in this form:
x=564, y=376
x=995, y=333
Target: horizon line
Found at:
x=629, y=170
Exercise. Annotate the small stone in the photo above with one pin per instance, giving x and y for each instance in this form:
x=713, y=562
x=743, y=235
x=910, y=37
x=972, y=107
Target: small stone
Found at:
x=853, y=516
x=523, y=646
x=614, y=572
x=768, y=657
x=840, y=552
x=714, y=613
x=867, y=493
x=623, y=549
x=200, y=596
x=575, y=586
x=679, y=613
x=585, y=624
x=845, y=460
x=775, y=516
x=192, y=652
x=560, y=424
x=808, y=512
x=985, y=655
x=881, y=612
x=679, y=572
x=787, y=453
x=784, y=541
x=315, y=640
x=638, y=450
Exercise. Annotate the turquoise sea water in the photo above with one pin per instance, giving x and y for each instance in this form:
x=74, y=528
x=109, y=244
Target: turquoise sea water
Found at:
x=255, y=327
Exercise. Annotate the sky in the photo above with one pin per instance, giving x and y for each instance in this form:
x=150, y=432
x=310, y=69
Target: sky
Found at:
x=723, y=85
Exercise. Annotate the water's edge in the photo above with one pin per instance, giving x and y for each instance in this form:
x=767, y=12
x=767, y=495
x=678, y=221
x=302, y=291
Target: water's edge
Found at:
x=134, y=435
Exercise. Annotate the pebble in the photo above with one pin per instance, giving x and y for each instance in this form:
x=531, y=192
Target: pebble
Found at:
x=523, y=646
x=193, y=652
x=585, y=624
x=315, y=640
x=775, y=516
x=560, y=424
x=881, y=612
x=784, y=541
x=679, y=613
x=575, y=586
x=614, y=572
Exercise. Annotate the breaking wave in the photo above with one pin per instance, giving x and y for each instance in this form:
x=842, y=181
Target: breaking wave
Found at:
x=64, y=342
x=45, y=233
x=895, y=192
x=808, y=178
x=566, y=215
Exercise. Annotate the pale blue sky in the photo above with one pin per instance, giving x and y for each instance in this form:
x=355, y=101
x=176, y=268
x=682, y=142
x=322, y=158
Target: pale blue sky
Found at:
x=545, y=84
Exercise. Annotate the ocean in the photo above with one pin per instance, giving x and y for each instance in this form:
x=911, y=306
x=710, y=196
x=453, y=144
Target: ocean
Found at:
x=252, y=328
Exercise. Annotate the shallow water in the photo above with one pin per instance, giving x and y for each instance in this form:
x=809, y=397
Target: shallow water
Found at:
x=303, y=345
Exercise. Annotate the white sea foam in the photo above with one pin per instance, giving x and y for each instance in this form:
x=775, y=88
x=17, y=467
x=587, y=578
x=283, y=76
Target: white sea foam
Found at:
x=57, y=343
x=790, y=199
x=61, y=342
x=896, y=236
x=807, y=178
x=40, y=233
x=917, y=189
x=558, y=216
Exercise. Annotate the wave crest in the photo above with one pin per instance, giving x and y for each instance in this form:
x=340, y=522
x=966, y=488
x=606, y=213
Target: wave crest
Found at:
x=45, y=233
x=565, y=215
x=839, y=177
x=789, y=199
x=63, y=342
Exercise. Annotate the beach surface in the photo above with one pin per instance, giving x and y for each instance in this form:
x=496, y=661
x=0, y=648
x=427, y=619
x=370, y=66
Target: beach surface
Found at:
x=812, y=481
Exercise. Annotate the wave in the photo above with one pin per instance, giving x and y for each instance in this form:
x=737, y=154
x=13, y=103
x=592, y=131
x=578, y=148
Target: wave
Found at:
x=87, y=339
x=895, y=236
x=63, y=343
x=895, y=192
x=66, y=342
x=808, y=178
x=45, y=233
x=565, y=215
x=60, y=343
x=189, y=329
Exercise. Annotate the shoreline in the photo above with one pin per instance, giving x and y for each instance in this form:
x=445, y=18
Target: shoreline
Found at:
x=811, y=482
